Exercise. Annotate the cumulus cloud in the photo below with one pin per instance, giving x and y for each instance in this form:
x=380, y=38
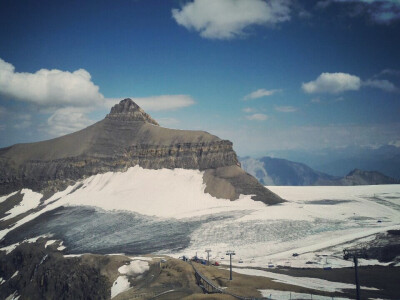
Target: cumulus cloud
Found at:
x=227, y=19
x=67, y=120
x=379, y=11
x=49, y=87
x=257, y=117
x=68, y=97
x=332, y=83
x=335, y=83
x=285, y=109
x=260, y=93
x=383, y=84
x=157, y=103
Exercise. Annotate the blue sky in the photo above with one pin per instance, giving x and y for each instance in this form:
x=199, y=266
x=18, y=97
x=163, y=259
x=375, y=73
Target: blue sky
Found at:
x=268, y=75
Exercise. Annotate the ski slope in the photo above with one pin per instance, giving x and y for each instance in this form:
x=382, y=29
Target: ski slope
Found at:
x=315, y=222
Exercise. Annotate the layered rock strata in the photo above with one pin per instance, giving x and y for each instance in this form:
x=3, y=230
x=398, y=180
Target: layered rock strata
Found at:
x=126, y=137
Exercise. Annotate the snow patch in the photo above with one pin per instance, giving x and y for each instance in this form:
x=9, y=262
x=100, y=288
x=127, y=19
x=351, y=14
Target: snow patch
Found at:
x=307, y=282
x=8, y=249
x=15, y=274
x=4, y=198
x=30, y=200
x=285, y=295
x=49, y=242
x=61, y=247
x=146, y=258
x=134, y=268
x=13, y=296
x=72, y=255
x=177, y=193
x=119, y=286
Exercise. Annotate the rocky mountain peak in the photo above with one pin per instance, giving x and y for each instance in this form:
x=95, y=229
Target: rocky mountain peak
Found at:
x=356, y=172
x=127, y=110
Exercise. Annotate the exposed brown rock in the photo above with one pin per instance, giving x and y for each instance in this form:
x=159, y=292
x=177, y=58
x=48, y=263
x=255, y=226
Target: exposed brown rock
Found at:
x=125, y=138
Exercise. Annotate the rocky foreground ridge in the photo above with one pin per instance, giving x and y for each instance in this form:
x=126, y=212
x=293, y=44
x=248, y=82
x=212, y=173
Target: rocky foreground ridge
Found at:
x=126, y=137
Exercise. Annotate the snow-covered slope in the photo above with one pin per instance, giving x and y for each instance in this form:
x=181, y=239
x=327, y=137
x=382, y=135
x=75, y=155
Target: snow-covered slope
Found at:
x=141, y=210
x=316, y=223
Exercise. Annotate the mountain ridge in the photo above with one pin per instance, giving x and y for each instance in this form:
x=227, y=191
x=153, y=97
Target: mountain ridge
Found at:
x=278, y=171
x=126, y=137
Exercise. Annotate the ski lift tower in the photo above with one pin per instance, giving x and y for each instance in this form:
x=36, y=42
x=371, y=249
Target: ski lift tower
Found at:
x=230, y=253
x=355, y=254
x=208, y=256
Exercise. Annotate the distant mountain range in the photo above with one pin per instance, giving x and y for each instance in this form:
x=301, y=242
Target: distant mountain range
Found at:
x=340, y=161
x=277, y=171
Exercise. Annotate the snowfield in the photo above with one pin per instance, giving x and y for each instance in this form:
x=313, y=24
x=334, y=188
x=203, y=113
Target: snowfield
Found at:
x=307, y=282
x=315, y=222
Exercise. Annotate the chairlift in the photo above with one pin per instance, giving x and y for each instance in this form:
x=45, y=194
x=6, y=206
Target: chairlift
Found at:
x=270, y=264
x=327, y=266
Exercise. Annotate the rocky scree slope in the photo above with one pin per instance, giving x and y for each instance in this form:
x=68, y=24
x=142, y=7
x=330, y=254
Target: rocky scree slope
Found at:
x=126, y=137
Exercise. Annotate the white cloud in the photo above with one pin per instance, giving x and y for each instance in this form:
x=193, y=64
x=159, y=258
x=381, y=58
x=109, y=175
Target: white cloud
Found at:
x=382, y=84
x=167, y=121
x=49, y=87
x=69, y=97
x=253, y=140
x=332, y=83
x=67, y=120
x=395, y=143
x=157, y=103
x=390, y=72
x=379, y=11
x=227, y=19
x=248, y=109
x=260, y=93
x=285, y=109
x=257, y=117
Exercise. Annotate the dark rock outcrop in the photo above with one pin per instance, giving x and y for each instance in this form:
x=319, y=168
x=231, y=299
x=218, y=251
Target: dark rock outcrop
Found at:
x=36, y=272
x=361, y=177
x=126, y=137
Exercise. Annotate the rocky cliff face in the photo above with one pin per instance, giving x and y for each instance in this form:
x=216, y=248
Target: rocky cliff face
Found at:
x=126, y=137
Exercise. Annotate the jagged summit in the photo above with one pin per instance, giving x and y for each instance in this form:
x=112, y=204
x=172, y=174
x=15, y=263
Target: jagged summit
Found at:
x=127, y=110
